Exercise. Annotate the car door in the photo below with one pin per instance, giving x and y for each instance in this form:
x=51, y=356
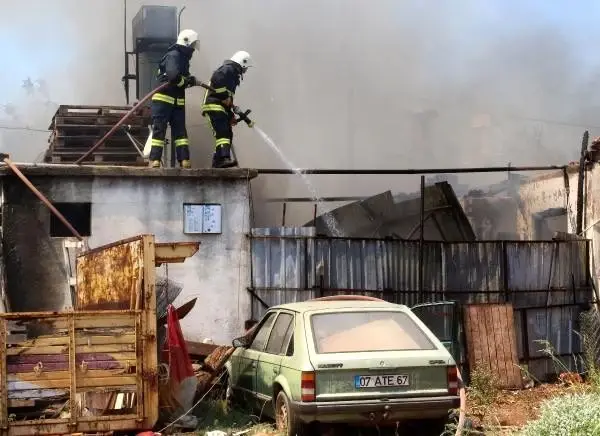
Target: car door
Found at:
x=248, y=359
x=269, y=363
x=443, y=319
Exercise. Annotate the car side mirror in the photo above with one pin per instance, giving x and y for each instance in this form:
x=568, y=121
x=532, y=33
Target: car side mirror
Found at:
x=241, y=342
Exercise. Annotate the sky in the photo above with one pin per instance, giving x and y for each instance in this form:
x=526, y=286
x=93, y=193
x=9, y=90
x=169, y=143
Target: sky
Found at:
x=338, y=83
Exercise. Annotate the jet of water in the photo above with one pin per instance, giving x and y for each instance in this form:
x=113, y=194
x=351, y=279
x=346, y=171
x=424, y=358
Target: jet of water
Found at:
x=330, y=221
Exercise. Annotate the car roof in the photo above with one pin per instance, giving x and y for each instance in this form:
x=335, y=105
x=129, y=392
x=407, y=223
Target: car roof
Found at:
x=310, y=305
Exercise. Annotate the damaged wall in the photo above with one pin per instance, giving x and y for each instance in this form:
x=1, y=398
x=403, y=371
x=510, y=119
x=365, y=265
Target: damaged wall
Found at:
x=126, y=206
x=540, y=199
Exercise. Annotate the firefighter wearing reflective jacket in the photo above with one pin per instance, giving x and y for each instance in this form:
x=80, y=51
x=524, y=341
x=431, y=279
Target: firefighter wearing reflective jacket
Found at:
x=218, y=106
x=168, y=105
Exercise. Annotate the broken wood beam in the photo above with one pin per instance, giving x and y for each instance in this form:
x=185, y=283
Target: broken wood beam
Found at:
x=199, y=349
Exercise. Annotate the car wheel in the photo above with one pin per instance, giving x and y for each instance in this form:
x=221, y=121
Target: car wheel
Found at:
x=285, y=419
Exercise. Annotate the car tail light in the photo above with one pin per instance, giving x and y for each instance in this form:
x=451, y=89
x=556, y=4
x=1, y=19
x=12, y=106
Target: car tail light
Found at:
x=453, y=380
x=308, y=386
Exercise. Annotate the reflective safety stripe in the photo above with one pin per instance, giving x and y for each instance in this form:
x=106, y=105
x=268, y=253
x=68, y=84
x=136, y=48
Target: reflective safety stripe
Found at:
x=158, y=142
x=213, y=108
x=222, y=141
x=224, y=89
x=210, y=125
x=182, y=141
x=181, y=82
x=163, y=97
x=205, y=95
x=181, y=102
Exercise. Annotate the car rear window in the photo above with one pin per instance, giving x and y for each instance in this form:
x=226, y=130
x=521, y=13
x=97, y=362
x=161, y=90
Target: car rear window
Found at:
x=347, y=332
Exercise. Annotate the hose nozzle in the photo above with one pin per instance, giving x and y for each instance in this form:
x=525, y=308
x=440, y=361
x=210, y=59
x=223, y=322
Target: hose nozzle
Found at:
x=243, y=116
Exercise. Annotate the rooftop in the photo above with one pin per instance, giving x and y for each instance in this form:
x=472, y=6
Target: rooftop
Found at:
x=72, y=170
x=306, y=306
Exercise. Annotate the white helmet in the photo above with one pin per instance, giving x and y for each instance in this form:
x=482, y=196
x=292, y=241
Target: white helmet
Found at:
x=243, y=59
x=189, y=38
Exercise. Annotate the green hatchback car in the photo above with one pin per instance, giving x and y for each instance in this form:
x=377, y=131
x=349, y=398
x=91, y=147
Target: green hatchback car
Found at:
x=343, y=361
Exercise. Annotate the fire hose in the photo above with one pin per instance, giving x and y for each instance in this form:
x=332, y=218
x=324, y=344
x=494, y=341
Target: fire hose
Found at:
x=126, y=117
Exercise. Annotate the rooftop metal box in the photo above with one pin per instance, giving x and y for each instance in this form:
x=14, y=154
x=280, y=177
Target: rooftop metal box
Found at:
x=154, y=24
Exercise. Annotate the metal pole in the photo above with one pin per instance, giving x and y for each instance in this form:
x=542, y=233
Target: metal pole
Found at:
x=283, y=215
x=39, y=195
x=421, y=242
x=179, y=20
x=580, y=181
x=409, y=171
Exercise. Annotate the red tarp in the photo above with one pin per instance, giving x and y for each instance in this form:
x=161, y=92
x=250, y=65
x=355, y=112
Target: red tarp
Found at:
x=175, y=352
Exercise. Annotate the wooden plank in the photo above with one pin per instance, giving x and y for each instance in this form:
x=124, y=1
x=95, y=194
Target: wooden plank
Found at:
x=83, y=382
x=98, y=120
x=99, y=159
x=65, y=375
x=21, y=403
x=96, y=319
x=52, y=349
x=72, y=371
x=150, y=351
x=3, y=385
x=487, y=313
x=37, y=394
x=81, y=339
x=488, y=329
x=498, y=312
x=512, y=353
x=199, y=349
x=87, y=424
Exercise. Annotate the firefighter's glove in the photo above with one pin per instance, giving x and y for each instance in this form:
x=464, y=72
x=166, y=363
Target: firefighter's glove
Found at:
x=191, y=81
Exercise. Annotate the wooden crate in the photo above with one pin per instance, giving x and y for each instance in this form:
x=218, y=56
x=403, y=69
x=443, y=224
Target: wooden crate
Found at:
x=84, y=370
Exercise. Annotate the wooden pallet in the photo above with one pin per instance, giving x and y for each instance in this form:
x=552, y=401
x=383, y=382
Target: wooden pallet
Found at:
x=95, y=110
x=96, y=129
x=97, y=158
x=98, y=115
x=87, y=142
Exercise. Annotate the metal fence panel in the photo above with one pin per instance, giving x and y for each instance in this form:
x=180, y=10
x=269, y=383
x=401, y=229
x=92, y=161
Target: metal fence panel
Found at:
x=547, y=282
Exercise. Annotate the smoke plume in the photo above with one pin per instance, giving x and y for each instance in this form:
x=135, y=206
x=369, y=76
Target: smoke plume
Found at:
x=337, y=83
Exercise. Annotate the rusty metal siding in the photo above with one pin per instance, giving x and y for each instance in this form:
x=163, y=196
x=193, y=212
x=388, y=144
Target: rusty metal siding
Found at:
x=474, y=272
x=546, y=281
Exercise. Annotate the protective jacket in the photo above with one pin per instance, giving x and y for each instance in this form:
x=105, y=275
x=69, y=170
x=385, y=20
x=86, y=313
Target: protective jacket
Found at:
x=225, y=81
x=174, y=67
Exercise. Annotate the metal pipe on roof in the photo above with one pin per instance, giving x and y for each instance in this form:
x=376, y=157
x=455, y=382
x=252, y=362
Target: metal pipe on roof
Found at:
x=422, y=243
x=312, y=199
x=285, y=171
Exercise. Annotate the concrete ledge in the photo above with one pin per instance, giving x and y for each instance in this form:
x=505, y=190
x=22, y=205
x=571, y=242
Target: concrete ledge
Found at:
x=122, y=171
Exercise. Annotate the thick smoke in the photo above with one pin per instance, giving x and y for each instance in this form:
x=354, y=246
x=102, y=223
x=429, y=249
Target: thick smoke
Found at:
x=337, y=83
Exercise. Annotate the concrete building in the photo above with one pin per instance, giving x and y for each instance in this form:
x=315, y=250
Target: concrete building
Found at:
x=106, y=204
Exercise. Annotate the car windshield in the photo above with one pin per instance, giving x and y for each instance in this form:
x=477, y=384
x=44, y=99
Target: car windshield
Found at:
x=364, y=331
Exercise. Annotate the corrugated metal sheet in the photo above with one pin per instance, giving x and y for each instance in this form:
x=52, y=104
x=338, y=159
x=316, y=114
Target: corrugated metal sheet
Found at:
x=282, y=266
x=291, y=264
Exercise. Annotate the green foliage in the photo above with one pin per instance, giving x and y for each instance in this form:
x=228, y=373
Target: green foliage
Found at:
x=483, y=389
x=576, y=414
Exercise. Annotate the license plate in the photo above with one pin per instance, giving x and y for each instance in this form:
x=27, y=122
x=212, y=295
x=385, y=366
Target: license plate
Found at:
x=380, y=381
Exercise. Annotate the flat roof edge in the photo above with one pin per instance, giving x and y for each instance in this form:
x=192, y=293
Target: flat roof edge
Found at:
x=72, y=170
